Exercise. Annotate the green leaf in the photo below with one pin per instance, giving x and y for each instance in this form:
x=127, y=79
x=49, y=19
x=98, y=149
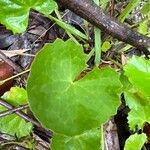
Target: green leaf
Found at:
x=124, y=14
x=137, y=70
x=139, y=110
x=143, y=27
x=104, y=3
x=126, y=85
x=14, y=13
x=68, y=28
x=88, y=140
x=13, y=124
x=135, y=142
x=146, y=9
x=16, y=96
x=106, y=46
x=61, y=102
x=137, y=96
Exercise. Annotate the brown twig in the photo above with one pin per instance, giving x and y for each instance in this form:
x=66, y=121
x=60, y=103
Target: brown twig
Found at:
x=95, y=15
x=10, y=62
x=13, y=110
x=19, y=113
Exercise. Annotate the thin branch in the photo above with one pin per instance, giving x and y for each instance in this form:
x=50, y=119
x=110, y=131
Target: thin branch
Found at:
x=15, y=76
x=95, y=15
x=19, y=113
x=13, y=110
x=17, y=68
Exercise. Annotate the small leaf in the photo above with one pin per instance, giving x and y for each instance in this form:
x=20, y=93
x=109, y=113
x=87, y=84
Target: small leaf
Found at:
x=104, y=3
x=124, y=14
x=137, y=95
x=143, y=27
x=88, y=140
x=61, y=102
x=135, y=142
x=146, y=9
x=13, y=124
x=106, y=46
x=14, y=14
x=16, y=96
x=139, y=110
x=137, y=70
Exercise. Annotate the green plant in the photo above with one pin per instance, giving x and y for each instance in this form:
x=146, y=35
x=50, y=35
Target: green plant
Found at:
x=14, y=14
x=137, y=95
x=135, y=142
x=128, y=9
x=75, y=107
x=13, y=124
x=65, y=102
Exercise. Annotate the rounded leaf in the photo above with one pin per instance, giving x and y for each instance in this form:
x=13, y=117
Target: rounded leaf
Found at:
x=14, y=14
x=135, y=142
x=63, y=103
x=137, y=70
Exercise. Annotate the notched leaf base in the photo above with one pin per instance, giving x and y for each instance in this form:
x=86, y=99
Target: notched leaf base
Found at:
x=66, y=108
